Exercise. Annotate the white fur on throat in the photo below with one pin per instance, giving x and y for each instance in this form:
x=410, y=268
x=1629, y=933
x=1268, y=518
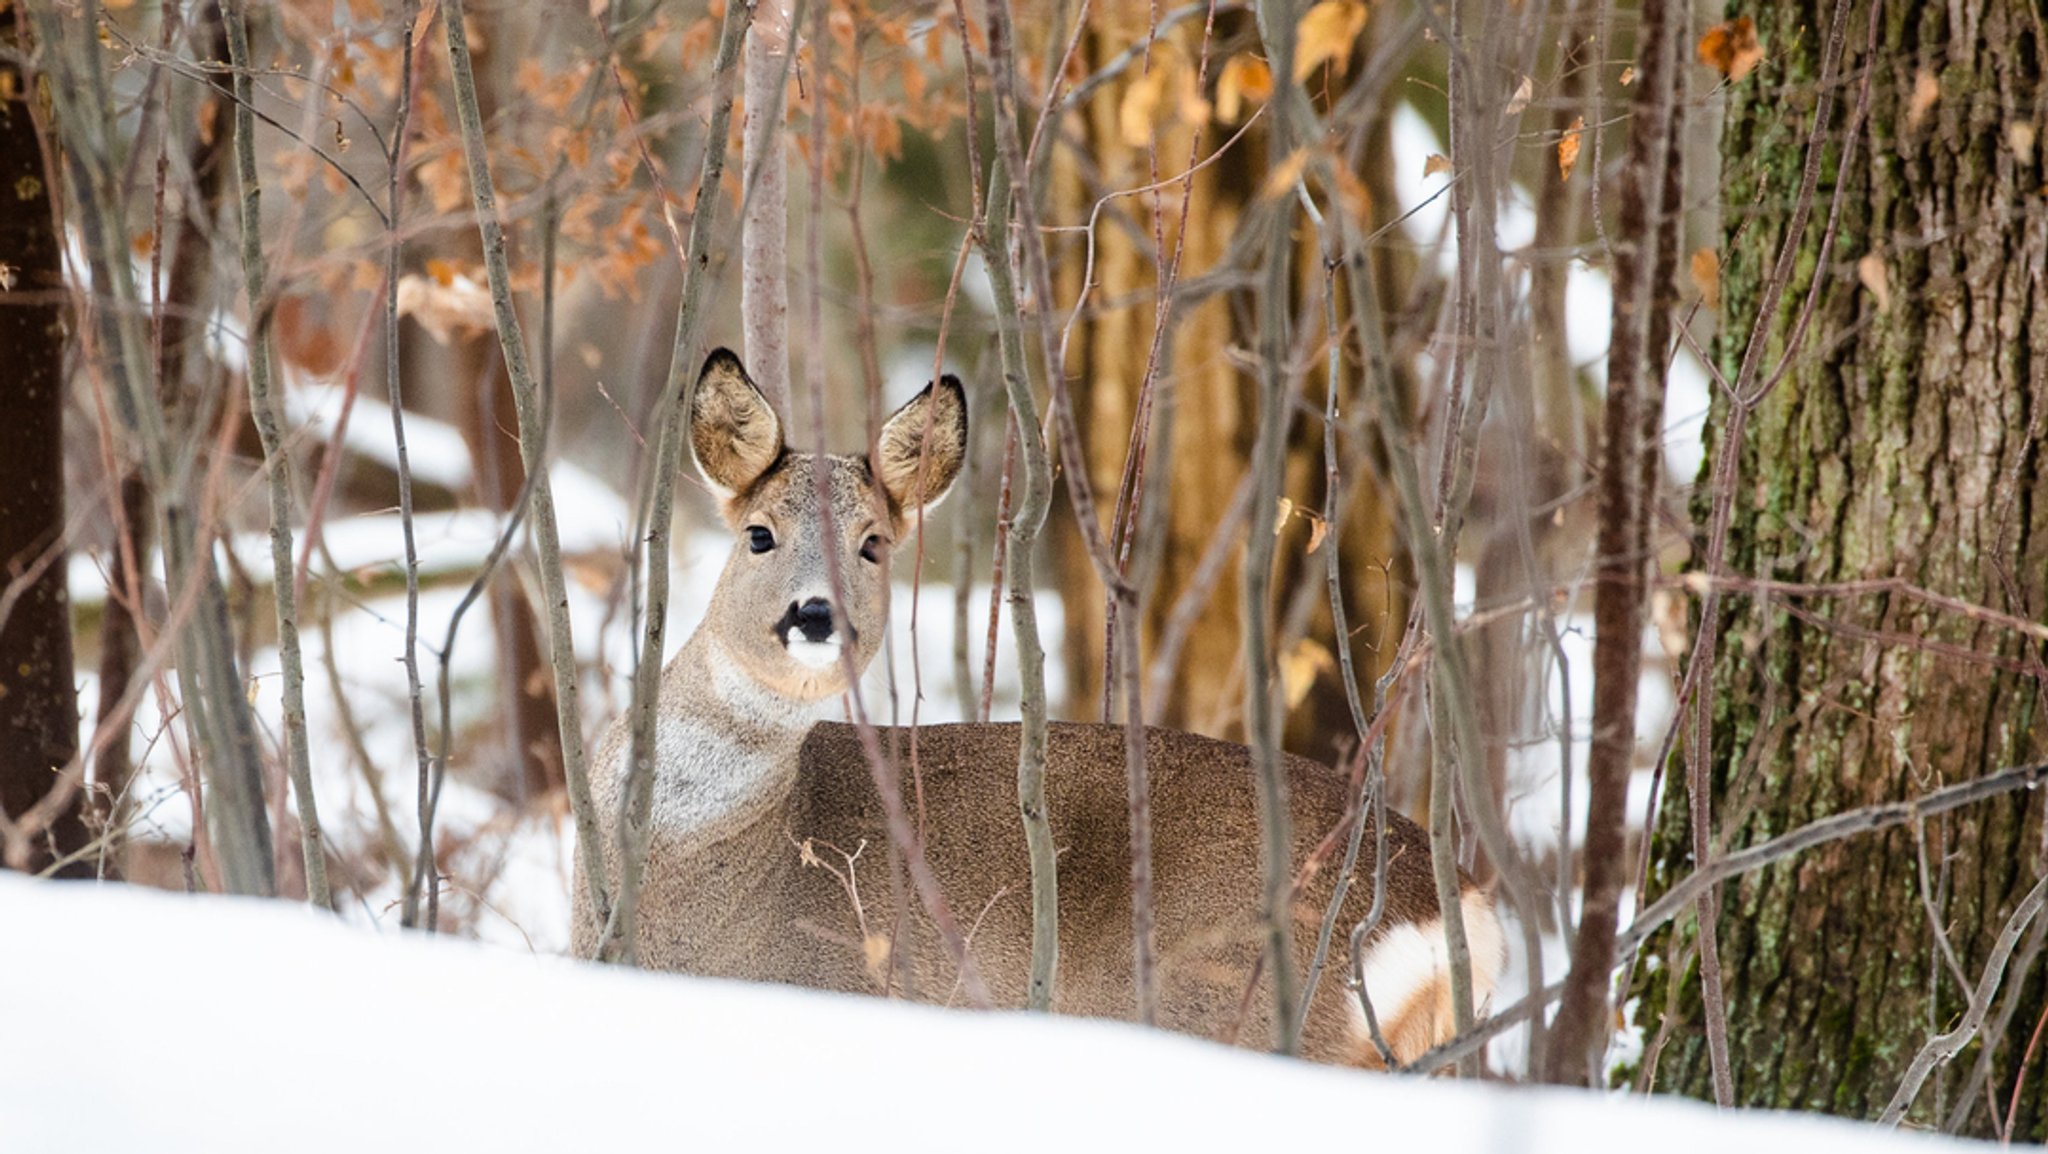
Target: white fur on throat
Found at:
x=1406, y=961
x=814, y=654
x=711, y=784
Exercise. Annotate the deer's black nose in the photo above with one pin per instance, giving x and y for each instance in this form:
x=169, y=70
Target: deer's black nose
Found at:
x=813, y=619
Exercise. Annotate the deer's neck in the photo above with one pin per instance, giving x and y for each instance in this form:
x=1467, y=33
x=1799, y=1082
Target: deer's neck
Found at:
x=728, y=749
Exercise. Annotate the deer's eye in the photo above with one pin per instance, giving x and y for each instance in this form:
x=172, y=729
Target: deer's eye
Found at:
x=871, y=549
x=759, y=539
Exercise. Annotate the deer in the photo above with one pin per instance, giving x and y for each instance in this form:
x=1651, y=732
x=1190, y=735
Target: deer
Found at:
x=764, y=799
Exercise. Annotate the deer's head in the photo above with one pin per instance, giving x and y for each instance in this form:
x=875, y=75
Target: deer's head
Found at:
x=804, y=582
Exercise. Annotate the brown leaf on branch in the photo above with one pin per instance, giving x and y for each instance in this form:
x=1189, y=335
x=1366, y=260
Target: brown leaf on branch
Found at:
x=1706, y=276
x=1244, y=78
x=1731, y=49
x=1568, y=148
x=1520, y=100
x=1436, y=163
x=1325, y=35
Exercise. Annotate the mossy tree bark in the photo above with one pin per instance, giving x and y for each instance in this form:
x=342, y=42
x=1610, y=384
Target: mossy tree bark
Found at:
x=1904, y=443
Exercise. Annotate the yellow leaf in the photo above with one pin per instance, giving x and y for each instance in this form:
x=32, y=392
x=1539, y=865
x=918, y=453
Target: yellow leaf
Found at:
x=1284, y=175
x=1299, y=668
x=1285, y=511
x=1926, y=90
x=1244, y=78
x=1520, y=99
x=1325, y=35
x=1436, y=163
x=1871, y=271
x=1706, y=275
x=1731, y=49
x=1568, y=148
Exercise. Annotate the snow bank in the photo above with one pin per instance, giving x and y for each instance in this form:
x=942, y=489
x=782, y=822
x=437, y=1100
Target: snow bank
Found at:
x=166, y=1023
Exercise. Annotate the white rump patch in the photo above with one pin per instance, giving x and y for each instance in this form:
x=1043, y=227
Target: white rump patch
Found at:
x=1407, y=960
x=814, y=654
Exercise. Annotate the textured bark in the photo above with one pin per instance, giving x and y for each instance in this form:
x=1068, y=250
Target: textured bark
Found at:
x=1904, y=442
x=39, y=733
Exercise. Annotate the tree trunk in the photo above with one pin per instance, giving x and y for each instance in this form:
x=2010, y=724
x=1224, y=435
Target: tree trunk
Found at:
x=1904, y=443
x=1204, y=421
x=39, y=734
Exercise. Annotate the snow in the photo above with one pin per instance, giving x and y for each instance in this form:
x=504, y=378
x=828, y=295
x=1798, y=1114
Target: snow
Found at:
x=170, y=1023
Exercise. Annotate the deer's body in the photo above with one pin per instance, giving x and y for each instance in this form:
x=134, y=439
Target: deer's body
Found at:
x=768, y=858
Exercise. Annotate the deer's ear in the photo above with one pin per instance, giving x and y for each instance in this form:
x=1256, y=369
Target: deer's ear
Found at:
x=733, y=429
x=923, y=446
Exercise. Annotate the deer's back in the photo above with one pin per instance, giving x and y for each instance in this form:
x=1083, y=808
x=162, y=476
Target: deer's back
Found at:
x=959, y=781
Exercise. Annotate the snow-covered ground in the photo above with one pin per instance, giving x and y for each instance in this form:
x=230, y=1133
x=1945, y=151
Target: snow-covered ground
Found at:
x=147, y=1021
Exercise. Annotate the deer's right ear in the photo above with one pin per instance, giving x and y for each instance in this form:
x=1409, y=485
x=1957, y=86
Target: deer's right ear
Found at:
x=733, y=429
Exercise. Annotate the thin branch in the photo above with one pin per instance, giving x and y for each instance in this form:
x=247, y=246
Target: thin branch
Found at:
x=1635, y=384
x=547, y=540
x=1943, y=1047
x=276, y=466
x=619, y=942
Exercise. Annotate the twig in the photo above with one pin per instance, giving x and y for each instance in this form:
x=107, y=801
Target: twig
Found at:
x=277, y=468
x=1942, y=1047
x=1866, y=819
x=547, y=540
x=1033, y=498
x=209, y=681
x=1726, y=469
x=394, y=385
x=619, y=942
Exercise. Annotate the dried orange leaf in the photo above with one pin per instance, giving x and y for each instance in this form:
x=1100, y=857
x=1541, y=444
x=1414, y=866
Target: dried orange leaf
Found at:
x=1244, y=78
x=1568, y=148
x=1706, y=276
x=1731, y=49
x=1926, y=90
x=1628, y=76
x=1318, y=529
x=1871, y=271
x=1436, y=163
x=1325, y=35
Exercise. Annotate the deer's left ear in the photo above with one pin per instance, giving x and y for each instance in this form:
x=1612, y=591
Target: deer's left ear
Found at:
x=923, y=446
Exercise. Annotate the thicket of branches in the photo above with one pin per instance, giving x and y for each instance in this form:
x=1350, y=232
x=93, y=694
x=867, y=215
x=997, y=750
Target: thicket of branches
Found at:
x=1252, y=379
